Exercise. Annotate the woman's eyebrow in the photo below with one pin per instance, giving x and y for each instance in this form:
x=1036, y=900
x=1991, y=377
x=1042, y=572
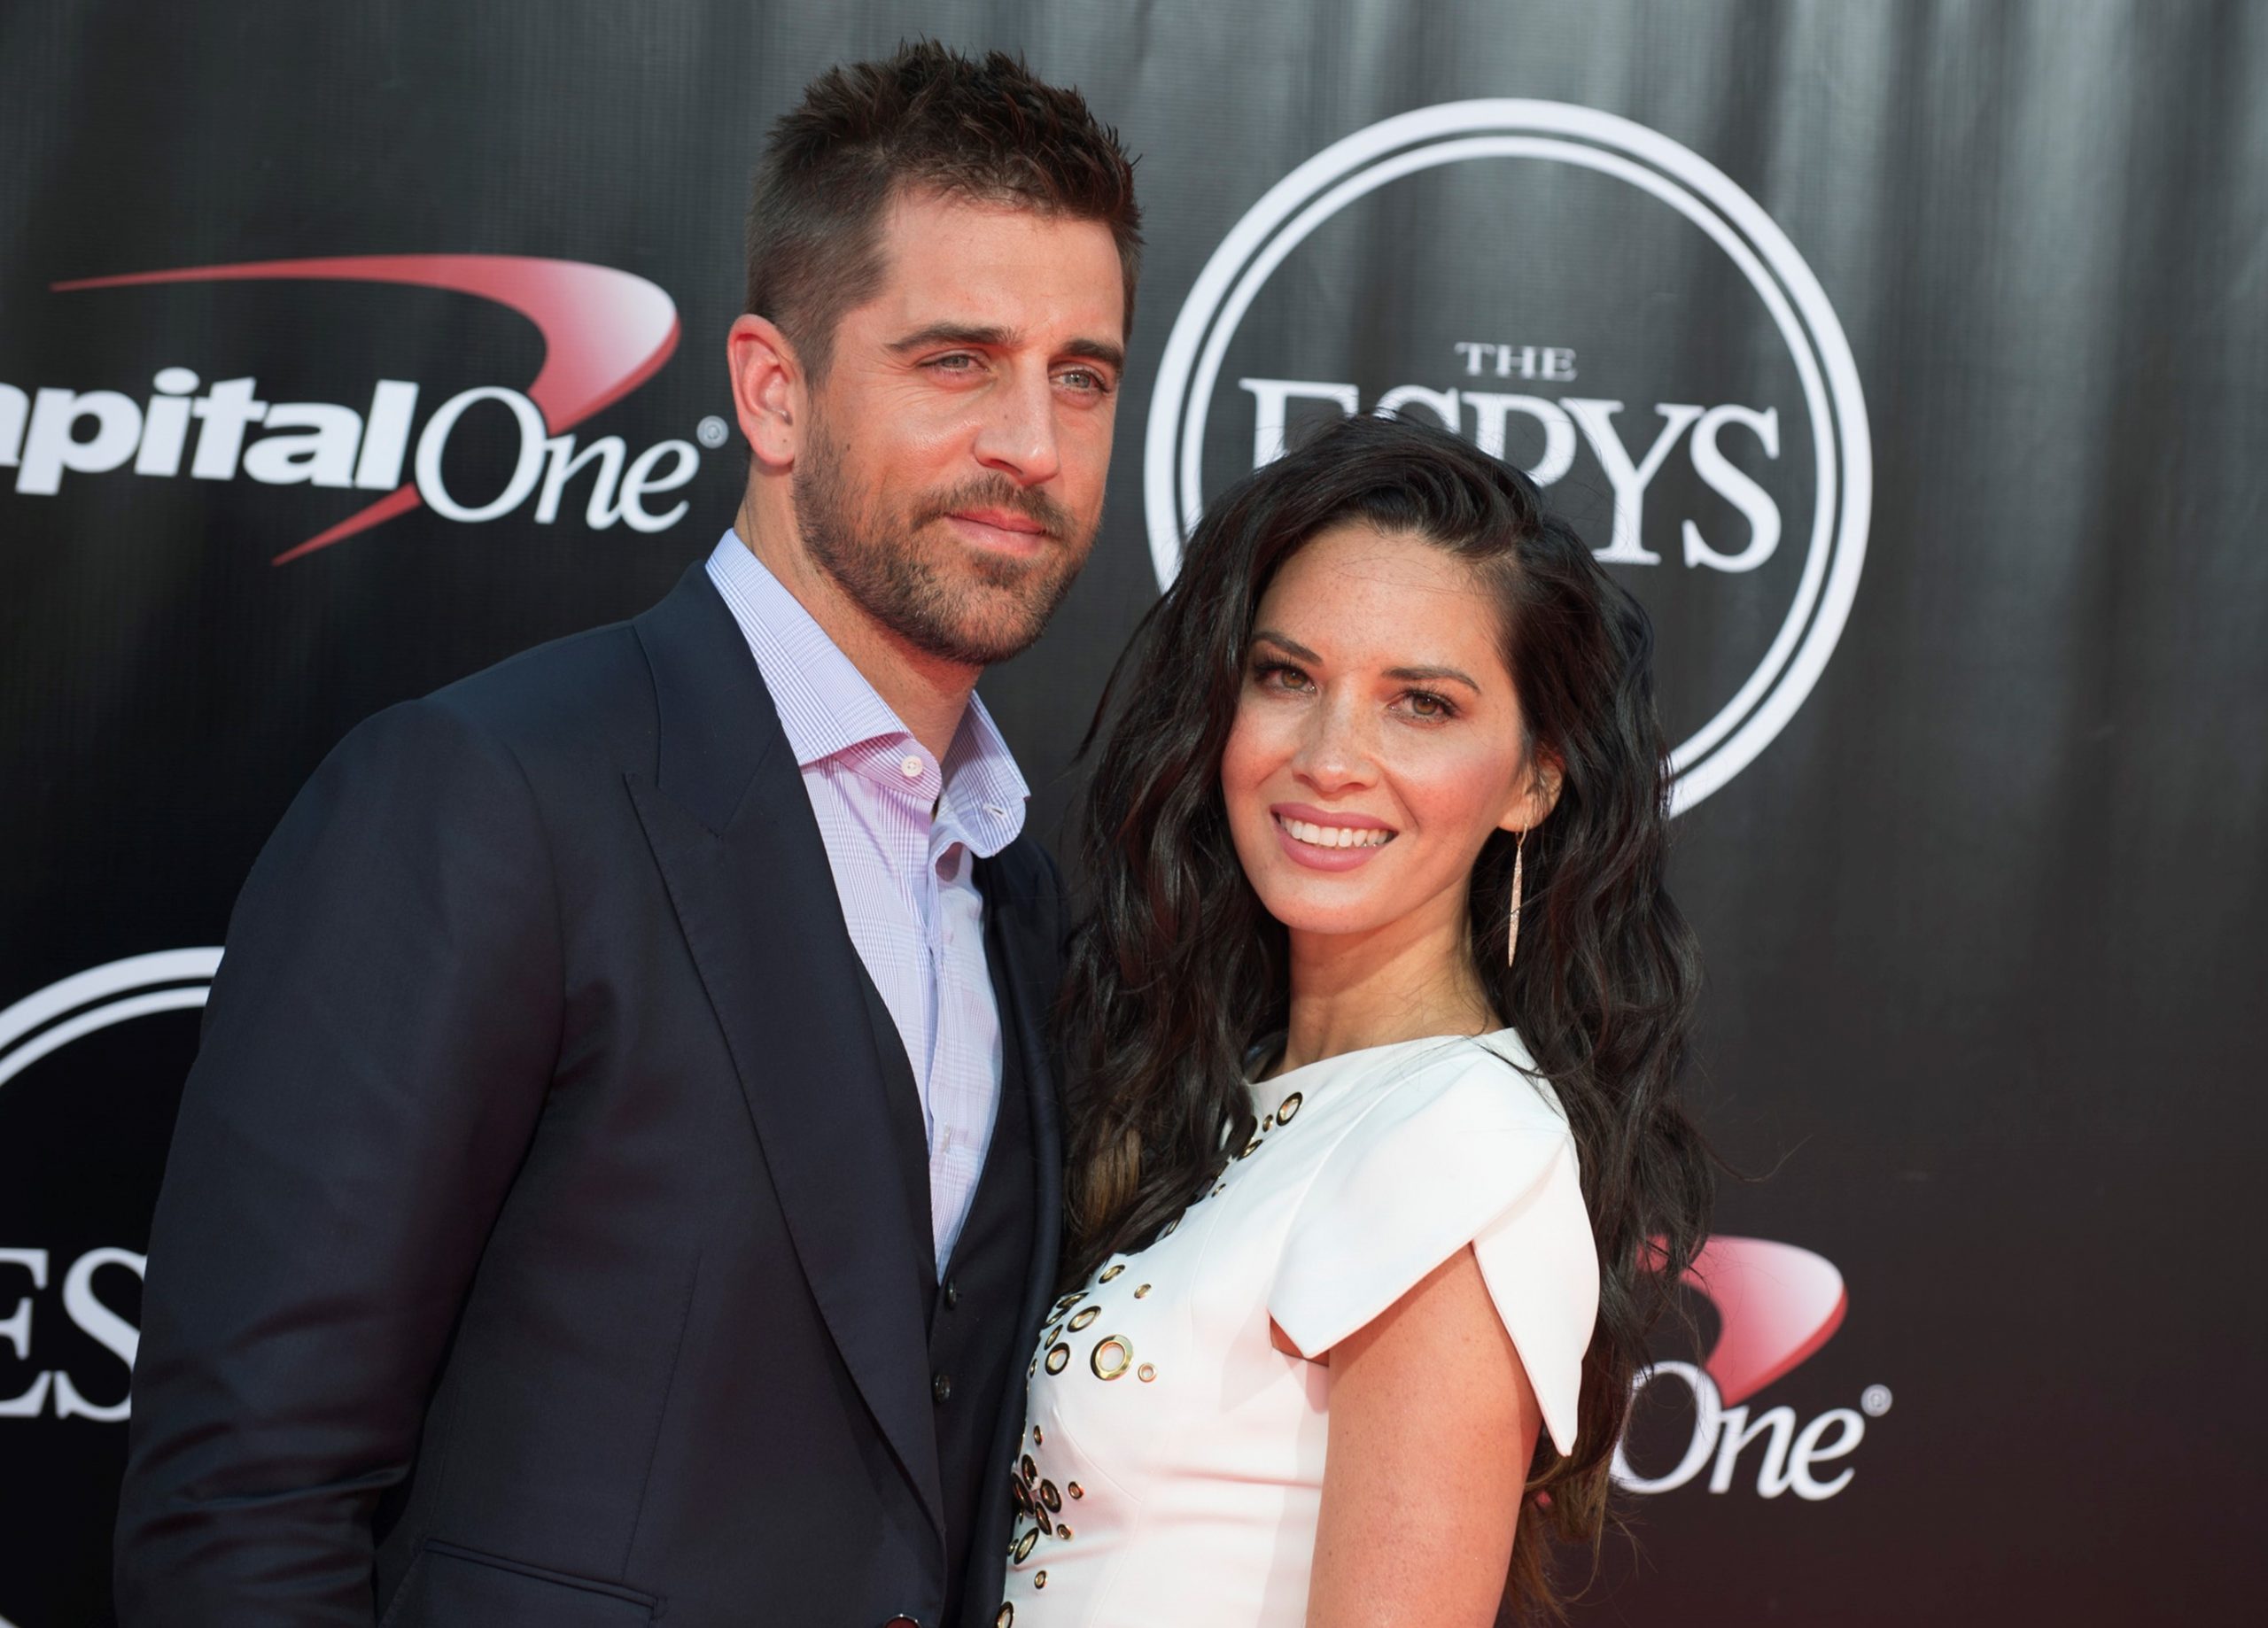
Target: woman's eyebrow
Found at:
x=1428, y=674
x=1291, y=648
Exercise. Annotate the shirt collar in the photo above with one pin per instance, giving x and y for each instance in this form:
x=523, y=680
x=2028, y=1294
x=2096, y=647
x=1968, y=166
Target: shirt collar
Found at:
x=984, y=791
x=829, y=711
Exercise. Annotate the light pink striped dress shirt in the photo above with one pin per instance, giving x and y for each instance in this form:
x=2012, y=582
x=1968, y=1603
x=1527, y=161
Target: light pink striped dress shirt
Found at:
x=902, y=835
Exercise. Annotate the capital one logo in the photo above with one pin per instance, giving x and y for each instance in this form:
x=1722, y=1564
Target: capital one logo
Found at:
x=605, y=332
x=1581, y=295
x=1776, y=1304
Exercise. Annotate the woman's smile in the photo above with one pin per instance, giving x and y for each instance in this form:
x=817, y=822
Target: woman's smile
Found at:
x=1324, y=839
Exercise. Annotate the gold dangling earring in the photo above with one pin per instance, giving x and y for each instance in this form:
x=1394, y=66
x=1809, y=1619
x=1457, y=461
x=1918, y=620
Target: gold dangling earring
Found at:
x=1512, y=931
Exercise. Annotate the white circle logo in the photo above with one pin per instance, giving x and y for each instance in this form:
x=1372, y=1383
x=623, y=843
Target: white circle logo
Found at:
x=166, y=981
x=1560, y=134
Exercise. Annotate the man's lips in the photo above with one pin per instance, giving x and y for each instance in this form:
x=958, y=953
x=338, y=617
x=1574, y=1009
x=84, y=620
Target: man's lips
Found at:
x=1000, y=532
x=1000, y=519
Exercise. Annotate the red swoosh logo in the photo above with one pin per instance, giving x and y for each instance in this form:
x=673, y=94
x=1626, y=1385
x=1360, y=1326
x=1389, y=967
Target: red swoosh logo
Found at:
x=605, y=332
x=1776, y=1304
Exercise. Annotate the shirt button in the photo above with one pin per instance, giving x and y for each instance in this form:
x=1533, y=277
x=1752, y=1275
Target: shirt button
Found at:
x=952, y=1294
x=910, y=766
x=941, y=1388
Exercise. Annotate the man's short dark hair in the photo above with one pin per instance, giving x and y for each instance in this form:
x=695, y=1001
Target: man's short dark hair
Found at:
x=926, y=119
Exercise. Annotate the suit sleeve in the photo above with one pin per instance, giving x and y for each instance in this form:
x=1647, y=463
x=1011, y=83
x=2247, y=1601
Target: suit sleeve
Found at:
x=377, y=1048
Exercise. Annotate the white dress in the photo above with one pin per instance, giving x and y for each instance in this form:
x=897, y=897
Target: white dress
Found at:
x=1171, y=1472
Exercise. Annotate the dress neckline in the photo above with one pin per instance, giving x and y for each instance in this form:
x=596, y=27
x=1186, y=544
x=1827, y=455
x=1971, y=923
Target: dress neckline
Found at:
x=1273, y=1045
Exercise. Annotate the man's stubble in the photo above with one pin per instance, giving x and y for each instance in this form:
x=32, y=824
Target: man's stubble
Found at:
x=944, y=600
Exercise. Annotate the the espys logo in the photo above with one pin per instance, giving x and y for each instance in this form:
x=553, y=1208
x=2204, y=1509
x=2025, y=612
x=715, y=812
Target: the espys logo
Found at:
x=41, y=1023
x=605, y=332
x=1475, y=262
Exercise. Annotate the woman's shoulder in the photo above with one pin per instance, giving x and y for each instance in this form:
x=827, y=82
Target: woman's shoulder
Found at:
x=1484, y=1083
x=1460, y=1142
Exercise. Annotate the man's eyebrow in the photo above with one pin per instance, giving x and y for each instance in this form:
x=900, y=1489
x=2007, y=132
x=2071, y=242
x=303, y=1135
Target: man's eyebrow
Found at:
x=1111, y=356
x=954, y=333
x=990, y=336
x=1429, y=675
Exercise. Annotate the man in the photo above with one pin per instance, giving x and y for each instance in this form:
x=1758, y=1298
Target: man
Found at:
x=620, y=1176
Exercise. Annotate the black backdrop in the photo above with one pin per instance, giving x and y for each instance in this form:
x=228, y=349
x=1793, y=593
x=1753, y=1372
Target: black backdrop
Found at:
x=1950, y=322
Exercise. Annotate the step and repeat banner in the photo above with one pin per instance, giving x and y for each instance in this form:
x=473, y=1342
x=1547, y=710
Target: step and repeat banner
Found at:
x=1909, y=362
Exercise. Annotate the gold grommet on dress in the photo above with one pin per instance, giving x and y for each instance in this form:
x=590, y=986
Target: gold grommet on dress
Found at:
x=1112, y=1356
x=1040, y=1580
x=1085, y=1317
x=1024, y=1544
x=1037, y=1440
x=1039, y=1514
x=1030, y=1469
x=1285, y=1109
x=1250, y=1148
x=1008, y=1615
x=1058, y=1358
x=1143, y=1290
x=1166, y=1231
x=1049, y=1496
x=1069, y=1300
x=1063, y=1532
x=1145, y=1373
x=1110, y=1272
x=1074, y=1490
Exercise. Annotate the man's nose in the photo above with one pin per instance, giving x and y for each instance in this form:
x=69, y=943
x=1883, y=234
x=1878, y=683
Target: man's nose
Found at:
x=1017, y=436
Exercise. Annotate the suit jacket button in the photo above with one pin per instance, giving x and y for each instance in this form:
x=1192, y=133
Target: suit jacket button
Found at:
x=941, y=1388
x=903, y=1622
x=952, y=1294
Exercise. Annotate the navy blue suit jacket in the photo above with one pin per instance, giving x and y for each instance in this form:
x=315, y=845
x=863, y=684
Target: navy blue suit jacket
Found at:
x=535, y=1248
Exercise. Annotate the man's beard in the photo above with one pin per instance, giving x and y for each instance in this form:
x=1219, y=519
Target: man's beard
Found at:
x=944, y=599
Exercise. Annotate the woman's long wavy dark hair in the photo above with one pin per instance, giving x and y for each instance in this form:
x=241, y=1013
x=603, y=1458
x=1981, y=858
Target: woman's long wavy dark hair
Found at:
x=1177, y=969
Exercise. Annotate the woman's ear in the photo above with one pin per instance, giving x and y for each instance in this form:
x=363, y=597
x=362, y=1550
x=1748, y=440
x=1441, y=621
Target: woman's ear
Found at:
x=768, y=390
x=1538, y=796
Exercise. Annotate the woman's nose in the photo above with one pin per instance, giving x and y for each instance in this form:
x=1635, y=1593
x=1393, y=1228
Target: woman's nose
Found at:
x=1335, y=748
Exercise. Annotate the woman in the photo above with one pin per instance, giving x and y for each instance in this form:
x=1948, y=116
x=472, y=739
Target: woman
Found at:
x=1377, y=1174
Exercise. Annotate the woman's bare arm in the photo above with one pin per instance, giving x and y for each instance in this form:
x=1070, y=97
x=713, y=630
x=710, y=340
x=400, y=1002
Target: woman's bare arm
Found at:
x=1432, y=1424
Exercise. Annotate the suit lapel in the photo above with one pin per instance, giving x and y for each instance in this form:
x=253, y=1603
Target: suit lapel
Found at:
x=732, y=831
x=909, y=1120
x=1021, y=937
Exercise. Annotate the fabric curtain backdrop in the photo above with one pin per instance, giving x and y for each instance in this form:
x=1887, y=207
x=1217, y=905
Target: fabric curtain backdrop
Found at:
x=1909, y=362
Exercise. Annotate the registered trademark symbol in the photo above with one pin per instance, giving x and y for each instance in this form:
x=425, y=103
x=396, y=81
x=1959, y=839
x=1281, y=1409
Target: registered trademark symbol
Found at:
x=712, y=432
x=1874, y=1400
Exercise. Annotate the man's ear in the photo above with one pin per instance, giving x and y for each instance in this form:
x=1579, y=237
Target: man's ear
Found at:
x=1538, y=796
x=769, y=391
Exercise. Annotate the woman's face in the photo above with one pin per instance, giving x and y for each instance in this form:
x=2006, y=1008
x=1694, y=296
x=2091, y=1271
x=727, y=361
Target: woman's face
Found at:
x=1376, y=740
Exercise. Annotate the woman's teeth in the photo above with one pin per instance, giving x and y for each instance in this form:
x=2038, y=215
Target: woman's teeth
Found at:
x=1336, y=836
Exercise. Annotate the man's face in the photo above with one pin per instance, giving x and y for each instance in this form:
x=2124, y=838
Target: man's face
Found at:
x=951, y=479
